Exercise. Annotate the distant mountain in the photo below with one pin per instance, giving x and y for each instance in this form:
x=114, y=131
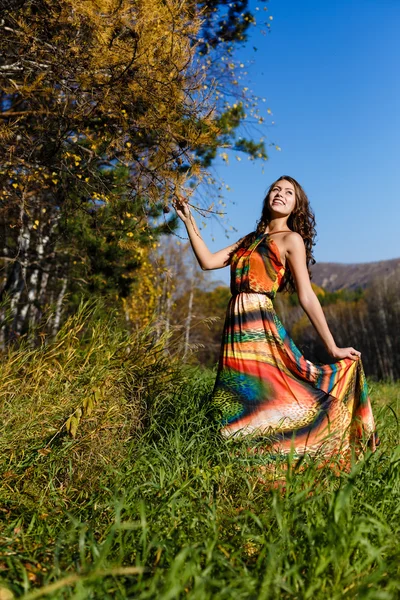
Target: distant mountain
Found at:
x=336, y=276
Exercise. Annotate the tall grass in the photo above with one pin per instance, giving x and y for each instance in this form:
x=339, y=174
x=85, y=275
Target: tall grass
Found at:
x=146, y=501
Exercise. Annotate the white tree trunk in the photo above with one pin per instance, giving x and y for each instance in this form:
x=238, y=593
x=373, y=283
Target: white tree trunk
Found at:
x=60, y=298
x=33, y=282
x=24, y=239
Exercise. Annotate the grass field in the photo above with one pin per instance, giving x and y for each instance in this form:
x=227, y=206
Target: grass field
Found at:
x=146, y=501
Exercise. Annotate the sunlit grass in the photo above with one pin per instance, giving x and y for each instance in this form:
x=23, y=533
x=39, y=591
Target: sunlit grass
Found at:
x=148, y=502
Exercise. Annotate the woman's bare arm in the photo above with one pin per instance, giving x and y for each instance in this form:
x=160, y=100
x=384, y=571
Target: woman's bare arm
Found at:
x=296, y=257
x=206, y=259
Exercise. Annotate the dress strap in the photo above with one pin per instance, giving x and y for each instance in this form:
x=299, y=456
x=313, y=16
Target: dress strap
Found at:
x=281, y=231
x=256, y=242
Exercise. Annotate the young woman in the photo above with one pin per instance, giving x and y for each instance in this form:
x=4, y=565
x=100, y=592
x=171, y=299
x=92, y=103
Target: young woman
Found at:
x=264, y=386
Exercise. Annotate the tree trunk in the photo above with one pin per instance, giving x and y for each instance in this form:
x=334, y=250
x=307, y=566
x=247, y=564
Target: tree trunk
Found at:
x=189, y=317
x=19, y=269
x=33, y=283
x=60, y=298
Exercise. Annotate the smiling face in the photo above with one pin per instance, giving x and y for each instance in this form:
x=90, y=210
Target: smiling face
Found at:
x=282, y=199
x=287, y=204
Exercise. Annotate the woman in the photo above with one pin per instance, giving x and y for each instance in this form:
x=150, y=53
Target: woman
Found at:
x=264, y=386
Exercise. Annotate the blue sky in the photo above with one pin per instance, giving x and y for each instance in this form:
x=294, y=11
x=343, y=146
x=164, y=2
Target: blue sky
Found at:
x=330, y=74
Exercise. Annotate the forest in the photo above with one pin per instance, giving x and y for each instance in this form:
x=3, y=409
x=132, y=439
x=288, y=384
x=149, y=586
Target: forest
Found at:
x=114, y=480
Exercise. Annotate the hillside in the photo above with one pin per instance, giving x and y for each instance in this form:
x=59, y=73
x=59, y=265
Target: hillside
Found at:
x=335, y=276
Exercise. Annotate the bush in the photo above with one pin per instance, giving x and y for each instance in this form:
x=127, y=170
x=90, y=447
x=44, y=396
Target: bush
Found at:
x=75, y=406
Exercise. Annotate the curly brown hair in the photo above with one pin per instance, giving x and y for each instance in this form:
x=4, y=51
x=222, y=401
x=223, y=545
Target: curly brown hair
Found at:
x=301, y=220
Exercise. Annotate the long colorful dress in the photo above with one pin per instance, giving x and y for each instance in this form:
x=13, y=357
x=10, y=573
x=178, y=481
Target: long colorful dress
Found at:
x=266, y=388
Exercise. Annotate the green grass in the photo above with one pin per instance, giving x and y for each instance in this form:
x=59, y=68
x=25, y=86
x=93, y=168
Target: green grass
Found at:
x=148, y=502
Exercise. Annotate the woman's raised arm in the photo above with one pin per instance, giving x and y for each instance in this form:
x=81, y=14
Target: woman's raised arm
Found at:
x=206, y=259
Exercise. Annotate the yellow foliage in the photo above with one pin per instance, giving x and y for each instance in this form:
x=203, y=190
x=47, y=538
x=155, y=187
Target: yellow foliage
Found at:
x=300, y=326
x=130, y=76
x=318, y=289
x=141, y=307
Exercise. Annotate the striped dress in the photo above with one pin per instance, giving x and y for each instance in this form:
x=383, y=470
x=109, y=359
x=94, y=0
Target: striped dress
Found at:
x=266, y=388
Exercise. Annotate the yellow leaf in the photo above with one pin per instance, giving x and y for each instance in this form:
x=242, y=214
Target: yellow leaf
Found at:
x=6, y=594
x=73, y=426
x=88, y=406
x=68, y=424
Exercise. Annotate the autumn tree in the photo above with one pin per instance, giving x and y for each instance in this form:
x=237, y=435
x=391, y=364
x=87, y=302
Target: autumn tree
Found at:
x=108, y=110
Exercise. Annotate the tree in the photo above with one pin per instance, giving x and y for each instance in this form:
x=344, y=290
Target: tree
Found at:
x=105, y=110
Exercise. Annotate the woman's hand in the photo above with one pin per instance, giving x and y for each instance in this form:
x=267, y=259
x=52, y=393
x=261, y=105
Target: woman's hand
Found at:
x=341, y=353
x=206, y=259
x=182, y=209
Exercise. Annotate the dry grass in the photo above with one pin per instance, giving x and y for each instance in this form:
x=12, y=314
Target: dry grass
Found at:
x=83, y=396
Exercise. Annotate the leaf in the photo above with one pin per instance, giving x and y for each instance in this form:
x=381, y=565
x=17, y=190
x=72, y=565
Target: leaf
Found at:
x=88, y=405
x=73, y=426
x=68, y=424
x=72, y=422
x=6, y=594
x=342, y=502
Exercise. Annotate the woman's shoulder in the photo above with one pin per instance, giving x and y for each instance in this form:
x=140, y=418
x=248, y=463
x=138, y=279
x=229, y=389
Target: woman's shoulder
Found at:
x=291, y=236
x=293, y=241
x=295, y=237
